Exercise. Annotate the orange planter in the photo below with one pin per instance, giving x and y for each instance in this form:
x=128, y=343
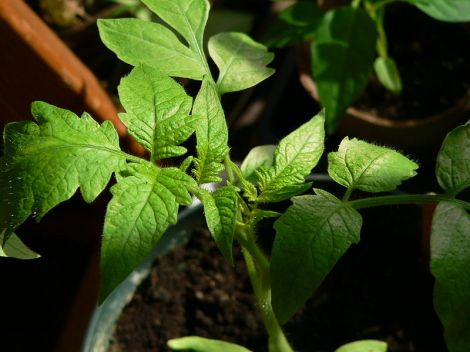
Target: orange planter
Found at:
x=36, y=65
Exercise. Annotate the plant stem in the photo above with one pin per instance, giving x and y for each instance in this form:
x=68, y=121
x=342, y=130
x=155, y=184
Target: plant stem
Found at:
x=258, y=271
x=406, y=199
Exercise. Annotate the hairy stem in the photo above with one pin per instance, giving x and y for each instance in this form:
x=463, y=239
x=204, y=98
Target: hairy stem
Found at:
x=406, y=199
x=258, y=271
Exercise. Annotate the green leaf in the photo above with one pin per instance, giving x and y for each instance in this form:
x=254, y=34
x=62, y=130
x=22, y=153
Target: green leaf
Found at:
x=15, y=248
x=139, y=42
x=221, y=211
x=262, y=155
x=45, y=163
x=211, y=132
x=294, y=158
x=368, y=167
x=187, y=17
x=293, y=25
x=145, y=201
x=364, y=346
x=343, y=54
x=311, y=237
x=453, y=160
x=157, y=112
x=241, y=61
x=388, y=74
x=445, y=10
x=249, y=189
x=450, y=261
x=201, y=344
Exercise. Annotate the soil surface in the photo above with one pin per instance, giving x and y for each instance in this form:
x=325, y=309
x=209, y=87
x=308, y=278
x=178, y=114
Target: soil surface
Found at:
x=432, y=57
x=380, y=289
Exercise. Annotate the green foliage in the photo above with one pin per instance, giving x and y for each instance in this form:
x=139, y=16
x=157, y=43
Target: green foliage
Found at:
x=241, y=61
x=368, y=167
x=387, y=73
x=445, y=10
x=294, y=158
x=295, y=24
x=311, y=237
x=346, y=40
x=139, y=42
x=145, y=201
x=261, y=156
x=221, y=211
x=450, y=260
x=453, y=161
x=13, y=247
x=157, y=112
x=200, y=344
x=342, y=58
x=364, y=346
x=211, y=132
x=47, y=161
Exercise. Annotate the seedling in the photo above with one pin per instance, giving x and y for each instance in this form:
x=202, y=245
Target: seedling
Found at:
x=46, y=161
x=350, y=41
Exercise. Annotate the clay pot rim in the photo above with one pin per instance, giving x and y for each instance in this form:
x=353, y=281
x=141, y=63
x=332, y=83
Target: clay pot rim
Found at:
x=463, y=104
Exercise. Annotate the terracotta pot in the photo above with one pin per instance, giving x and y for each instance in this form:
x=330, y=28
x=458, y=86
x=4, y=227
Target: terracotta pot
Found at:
x=419, y=137
x=37, y=65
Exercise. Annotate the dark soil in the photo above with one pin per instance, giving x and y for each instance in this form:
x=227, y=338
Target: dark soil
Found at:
x=432, y=57
x=380, y=289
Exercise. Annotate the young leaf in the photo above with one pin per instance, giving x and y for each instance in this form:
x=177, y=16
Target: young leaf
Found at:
x=293, y=25
x=388, y=75
x=45, y=163
x=201, y=344
x=157, y=112
x=221, y=211
x=145, y=201
x=294, y=158
x=364, y=346
x=139, y=42
x=15, y=248
x=262, y=155
x=311, y=237
x=211, y=132
x=187, y=17
x=450, y=261
x=368, y=167
x=342, y=57
x=453, y=160
x=241, y=61
x=445, y=10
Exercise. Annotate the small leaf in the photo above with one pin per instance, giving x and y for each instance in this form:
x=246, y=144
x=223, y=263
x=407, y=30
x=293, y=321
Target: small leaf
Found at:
x=364, y=346
x=311, y=237
x=249, y=190
x=294, y=158
x=145, y=201
x=241, y=61
x=388, y=74
x=187, y=17
x=343, y=54
x=157, y=112
x=262, y=155
x=295, y=24
x=453, y=160
x=368, y=167
x=15, y=248
x=445, y=10
x=45, y=163
x=450, y=263
x=211, y=133
x=221, y=211
x=139, y=42
x=201, y=344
